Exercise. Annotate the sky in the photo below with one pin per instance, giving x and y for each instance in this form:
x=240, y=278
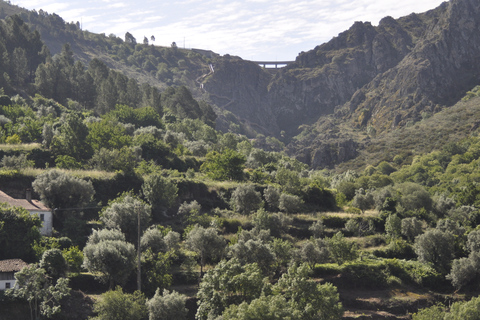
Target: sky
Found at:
x=258, y=30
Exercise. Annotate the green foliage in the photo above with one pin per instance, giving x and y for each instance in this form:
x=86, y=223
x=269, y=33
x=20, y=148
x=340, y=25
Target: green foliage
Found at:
x=341, y=250
x=433, y=313
x=71, y=138
x=156, y=270
x=254, y=251
x=123, y=159
x=227, y=165
x=393, y=226
x=117, y=305
x=107, y=134
x=16, y=162
x=122, y=213
x=167, y=306
x=43, y=295
x=290, y=203
x=53, y=263
x=159, y=191
x=228, y=282
x=74, y=258
x=306, y=298
x=206, y=243
x=272, y=197
x=245, y=199
x=62, y=190
x=435, y=247
x=111, y=261
x=18, y=232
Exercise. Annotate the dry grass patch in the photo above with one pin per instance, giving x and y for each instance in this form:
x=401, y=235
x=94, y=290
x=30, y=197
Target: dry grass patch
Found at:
x=20, y=147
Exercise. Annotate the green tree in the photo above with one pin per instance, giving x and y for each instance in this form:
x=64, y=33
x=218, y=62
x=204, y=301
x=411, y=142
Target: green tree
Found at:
x=363, y=200
x=411, y=227
x=341, y=250
x=159, y=191
x=206, y=243
x=469, y=310
x=227, y=165
x=254, y=251
x=308, y=299
x=122, y=213
x=272, y=197
x=290, y=203
x=54, y=263
x=156, y=270
x=167, y=306
x=111, y=260
x=43, y=296
x=245, y=199
x=58, y=189
x=153, y=238
x=18, y=232
x=435, y=247
x=433, y=313
x=227, y=283
x=271, y=307
x=117, y=305
x=71, y=139
x=393, y=226
x=289, y=180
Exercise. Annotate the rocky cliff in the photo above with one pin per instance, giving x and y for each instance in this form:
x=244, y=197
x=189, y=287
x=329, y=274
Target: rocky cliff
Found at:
x=377, y=77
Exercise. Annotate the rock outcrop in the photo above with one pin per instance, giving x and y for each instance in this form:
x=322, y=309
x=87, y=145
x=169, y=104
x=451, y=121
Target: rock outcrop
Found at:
x=381, y=77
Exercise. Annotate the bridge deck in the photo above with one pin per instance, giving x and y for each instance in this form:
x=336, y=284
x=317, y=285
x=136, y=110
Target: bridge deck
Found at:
x=273, y=63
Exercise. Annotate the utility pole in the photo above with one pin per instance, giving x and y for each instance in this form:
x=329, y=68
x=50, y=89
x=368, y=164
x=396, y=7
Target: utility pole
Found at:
x=139, y=263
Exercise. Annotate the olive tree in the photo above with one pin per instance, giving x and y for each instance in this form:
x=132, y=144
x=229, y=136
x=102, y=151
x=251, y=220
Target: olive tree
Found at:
x=111, y=260
x=411, y=227
x=58, y=189
x=153, y=238
x=123, y=214
x=254, y=251
x=435, y=247
x=227, y=281
x=43, y=295
x=245, y=199
x=167, y=306
x=393, y=226
x=290, y=203
x=117, y=305
x=159, y=191
x=206, y=243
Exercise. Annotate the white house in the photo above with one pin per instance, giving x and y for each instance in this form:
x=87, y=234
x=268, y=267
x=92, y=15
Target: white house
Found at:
x=8, y=268
x=34, y=207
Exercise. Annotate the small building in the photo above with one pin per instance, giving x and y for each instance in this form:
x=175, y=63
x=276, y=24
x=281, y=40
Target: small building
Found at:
x=8, y=268
x=34, y=207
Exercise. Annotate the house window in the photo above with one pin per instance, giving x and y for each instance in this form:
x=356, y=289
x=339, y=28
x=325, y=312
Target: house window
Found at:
x=7, y=285
x=42, y=217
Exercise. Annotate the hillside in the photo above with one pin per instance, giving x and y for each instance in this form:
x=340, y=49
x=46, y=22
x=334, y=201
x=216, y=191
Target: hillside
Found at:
x=224, y=225
x=368, y=78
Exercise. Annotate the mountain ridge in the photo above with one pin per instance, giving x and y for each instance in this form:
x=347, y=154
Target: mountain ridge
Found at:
x=367, y=81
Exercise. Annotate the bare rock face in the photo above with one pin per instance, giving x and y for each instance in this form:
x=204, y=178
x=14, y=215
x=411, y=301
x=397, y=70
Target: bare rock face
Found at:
x=381, y=77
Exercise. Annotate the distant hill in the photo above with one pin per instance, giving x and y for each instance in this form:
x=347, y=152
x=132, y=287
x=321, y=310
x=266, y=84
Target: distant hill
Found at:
x=335, y=103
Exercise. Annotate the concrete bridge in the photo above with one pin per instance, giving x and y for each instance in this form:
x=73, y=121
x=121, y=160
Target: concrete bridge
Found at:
x=273, y=63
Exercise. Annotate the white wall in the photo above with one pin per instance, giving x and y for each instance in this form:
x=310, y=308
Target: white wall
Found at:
x=3, y=282
x=46, y=229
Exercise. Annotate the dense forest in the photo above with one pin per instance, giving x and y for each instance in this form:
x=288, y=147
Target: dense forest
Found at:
x=220, y=225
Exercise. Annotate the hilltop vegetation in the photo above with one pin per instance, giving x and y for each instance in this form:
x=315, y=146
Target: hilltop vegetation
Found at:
x=230, y=227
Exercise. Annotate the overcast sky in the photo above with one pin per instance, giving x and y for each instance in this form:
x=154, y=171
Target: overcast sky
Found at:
x=273, y=30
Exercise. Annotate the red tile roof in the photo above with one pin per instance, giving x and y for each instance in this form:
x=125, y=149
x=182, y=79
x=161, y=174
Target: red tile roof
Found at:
x=33, y=205
x=12, y=265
